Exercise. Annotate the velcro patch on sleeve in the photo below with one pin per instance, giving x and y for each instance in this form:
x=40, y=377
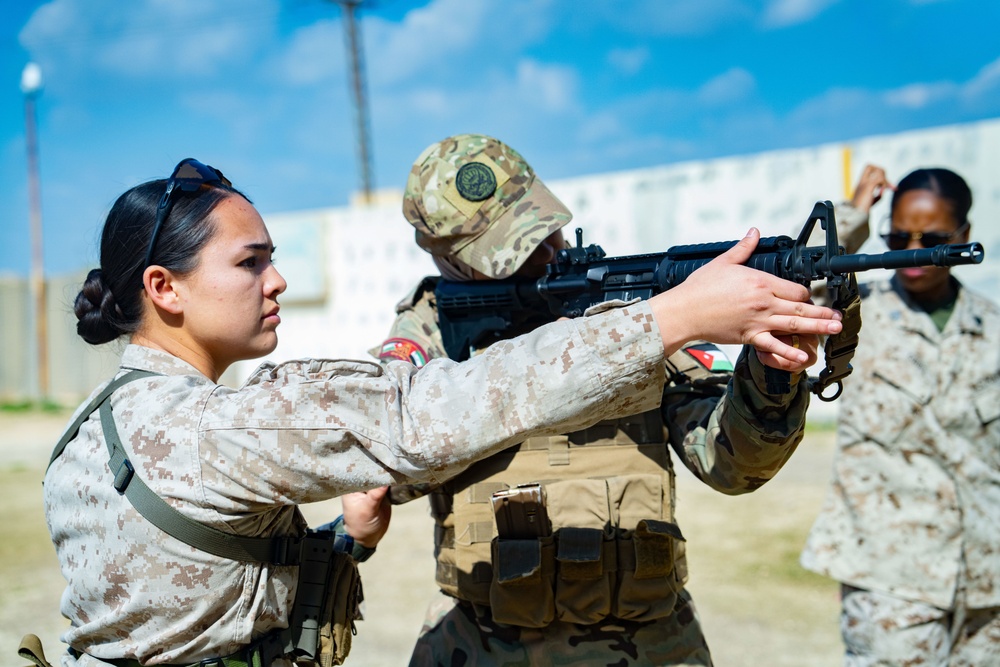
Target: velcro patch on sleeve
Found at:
x=403, y=349
x=710, y=356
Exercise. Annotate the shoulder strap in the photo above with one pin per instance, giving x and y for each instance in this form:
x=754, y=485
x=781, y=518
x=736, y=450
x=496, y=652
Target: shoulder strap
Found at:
x=277, y=550
x=156, y=510
x=74, y=428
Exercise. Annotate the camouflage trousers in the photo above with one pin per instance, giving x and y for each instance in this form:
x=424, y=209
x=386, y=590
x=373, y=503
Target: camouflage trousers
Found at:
x=881, y=630
x=456, y=633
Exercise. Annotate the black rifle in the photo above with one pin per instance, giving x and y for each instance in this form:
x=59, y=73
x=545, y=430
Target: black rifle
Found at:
x=474, y=314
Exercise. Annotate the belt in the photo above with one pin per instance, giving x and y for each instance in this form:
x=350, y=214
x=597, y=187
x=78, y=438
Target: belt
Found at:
x=261, y=653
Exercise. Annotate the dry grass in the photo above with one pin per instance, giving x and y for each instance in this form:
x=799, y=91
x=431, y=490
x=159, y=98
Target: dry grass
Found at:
x=757, y=605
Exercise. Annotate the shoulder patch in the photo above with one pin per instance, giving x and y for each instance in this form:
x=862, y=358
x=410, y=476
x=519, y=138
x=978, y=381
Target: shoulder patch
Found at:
x=403, y=349
x=710, y=356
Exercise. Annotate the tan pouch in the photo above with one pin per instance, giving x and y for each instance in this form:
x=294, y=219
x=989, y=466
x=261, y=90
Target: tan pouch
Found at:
x=31, y=650
x=648, y=582
x=344, y=609
x=585, y=549
x=521, y=592
x=647, y=548
x=585, y=574
x=464, y=569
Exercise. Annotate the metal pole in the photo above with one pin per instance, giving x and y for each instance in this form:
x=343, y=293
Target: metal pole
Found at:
x=360, y=100
x=37, y=258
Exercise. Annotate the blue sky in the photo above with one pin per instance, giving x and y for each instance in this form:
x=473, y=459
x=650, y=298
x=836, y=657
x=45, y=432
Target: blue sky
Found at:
x=260, y=89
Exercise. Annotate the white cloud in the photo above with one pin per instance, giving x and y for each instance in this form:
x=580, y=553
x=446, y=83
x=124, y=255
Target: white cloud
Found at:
x=783, y=13
x=838, y=104
x=692, y=18
x=455, y=65
x=671, y=17
x=533, y=93
x=53, y=20
x=919, y=95
x=983, y=88
x=315, y=53
x=175, y=38
x=453, y=37
x=985, y=84
x=244, y=121
x=628, y=61
x=729, y=88
x=553, y=87
x=599, y=127
x=433, y=102
x=734, y=90
x=651, y=148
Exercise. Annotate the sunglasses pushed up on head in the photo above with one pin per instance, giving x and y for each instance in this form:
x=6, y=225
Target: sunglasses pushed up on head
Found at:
x=188, y=176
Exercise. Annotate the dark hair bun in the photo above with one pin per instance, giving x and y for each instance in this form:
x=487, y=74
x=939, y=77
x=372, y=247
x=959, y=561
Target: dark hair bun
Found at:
x=98, y=314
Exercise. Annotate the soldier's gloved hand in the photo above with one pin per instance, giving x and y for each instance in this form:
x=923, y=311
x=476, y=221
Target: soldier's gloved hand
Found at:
x=366, y=515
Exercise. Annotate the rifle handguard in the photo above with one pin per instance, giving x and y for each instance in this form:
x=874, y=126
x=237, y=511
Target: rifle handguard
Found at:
x=474, y=314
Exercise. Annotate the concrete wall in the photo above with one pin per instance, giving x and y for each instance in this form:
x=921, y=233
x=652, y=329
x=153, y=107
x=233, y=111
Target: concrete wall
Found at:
x=348, y=267
x=15, y=363
x=74, y=366
x=370, y=260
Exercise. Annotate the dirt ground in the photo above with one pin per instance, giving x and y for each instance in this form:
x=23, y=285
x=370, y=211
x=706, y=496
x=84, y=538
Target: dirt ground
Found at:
x=758, y=607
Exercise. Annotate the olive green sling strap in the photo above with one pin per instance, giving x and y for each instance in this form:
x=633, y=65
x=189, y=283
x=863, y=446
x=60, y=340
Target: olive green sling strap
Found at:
x=276, y=550
x=322, y=619
x=74, y=428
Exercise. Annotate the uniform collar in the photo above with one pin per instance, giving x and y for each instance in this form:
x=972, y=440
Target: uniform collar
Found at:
x=963, y=315
x=967, y=315
x=142, y=358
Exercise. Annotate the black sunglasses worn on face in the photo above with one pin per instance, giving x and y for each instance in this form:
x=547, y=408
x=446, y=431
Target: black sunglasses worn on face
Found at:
x=189, y=175
x=897, y=240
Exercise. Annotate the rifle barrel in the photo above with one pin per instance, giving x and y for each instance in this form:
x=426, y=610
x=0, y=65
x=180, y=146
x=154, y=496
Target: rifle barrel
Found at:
x=942, y=255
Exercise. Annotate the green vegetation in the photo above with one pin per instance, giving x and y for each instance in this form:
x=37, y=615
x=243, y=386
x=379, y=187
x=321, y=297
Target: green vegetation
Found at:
x=47, y=406
x=781, y=568
x=820, y=426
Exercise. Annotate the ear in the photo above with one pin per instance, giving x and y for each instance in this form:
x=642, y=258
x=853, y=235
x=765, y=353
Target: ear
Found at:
x=161, y=285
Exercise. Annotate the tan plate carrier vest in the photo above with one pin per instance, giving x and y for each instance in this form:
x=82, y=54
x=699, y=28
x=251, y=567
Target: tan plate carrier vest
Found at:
x=614, y=549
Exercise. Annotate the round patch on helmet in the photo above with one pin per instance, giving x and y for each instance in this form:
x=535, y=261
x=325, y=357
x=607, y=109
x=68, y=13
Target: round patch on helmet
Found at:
x=475, y=181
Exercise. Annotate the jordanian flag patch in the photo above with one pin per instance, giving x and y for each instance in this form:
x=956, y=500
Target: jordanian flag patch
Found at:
x=710, y=357
x=405, y=350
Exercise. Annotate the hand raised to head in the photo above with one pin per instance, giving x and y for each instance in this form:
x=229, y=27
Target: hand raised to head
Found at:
x=871, y=186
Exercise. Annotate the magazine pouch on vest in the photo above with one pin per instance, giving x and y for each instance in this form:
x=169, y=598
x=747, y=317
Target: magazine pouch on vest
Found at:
x=604, y=546
x=522, y=556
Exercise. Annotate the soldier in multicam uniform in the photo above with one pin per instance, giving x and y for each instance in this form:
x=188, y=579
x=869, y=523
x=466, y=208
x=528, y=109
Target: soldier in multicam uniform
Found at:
x=606, y=579
x=186, y=273
x=911, y=525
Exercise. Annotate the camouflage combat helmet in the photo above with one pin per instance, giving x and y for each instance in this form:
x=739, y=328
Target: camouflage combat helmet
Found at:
x=474, y=198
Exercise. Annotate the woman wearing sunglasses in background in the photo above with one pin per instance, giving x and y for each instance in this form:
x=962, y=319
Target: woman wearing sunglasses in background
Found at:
x=911, y=525
x=173, y=505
